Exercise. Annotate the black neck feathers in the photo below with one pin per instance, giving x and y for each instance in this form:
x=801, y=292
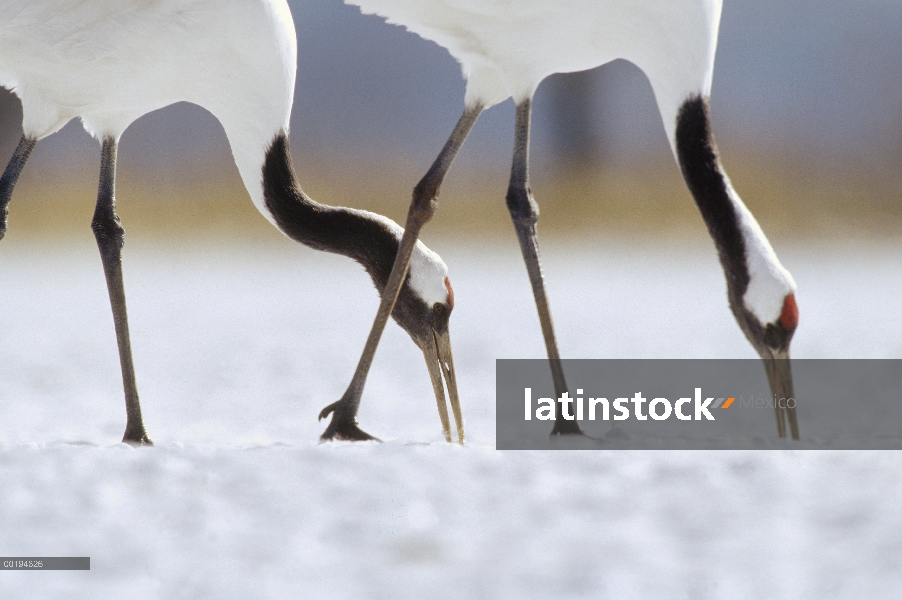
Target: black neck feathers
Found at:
x=339, y=230
x=700, y=164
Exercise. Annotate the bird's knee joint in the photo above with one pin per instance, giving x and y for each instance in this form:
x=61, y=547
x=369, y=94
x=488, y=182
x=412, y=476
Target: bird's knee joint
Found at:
x=108, y=232
x=425, y=201
x=6, y=190
x=521, y=205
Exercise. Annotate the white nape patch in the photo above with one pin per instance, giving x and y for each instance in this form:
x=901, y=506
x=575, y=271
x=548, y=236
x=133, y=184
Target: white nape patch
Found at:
x=427, y=275
x=427, y=269
x=769, y=281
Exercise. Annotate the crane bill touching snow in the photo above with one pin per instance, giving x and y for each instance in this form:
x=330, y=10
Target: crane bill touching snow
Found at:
x=505, y=49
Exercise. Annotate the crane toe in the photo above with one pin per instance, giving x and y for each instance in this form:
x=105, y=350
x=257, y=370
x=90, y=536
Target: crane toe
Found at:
x=327, y=411
x=347, y=431
x=136, y=437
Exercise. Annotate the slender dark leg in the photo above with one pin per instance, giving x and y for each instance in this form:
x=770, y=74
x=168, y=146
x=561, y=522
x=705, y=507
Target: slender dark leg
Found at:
x=525, y=214
x=422, y=207
x=11, y=175
x=110, y=238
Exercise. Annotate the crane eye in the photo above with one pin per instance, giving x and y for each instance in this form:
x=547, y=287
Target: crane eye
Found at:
x=440, y=309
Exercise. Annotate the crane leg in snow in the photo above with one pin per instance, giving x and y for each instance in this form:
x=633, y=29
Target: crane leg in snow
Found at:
x=525, y=214
x=110, y=237
x=422, y=207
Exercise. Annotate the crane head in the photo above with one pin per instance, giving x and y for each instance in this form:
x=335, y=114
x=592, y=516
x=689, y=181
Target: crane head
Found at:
x=771, y=340
x=423, y=310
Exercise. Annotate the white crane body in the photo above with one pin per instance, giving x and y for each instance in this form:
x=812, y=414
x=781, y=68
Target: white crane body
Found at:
x=109, y=62
x=507, y=47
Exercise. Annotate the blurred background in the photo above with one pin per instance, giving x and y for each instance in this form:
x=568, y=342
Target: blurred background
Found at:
x=807, y=104
x=241, y=337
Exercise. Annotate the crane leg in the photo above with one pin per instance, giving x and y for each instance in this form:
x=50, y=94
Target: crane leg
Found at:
x=422, y=207
x=525, y=214
x=11, y=175
x=110, y=238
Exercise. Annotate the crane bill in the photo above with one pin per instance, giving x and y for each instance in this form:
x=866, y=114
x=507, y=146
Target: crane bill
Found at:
x=446, y=360
x=440, y=362
x=430, y=352
x=779, y=374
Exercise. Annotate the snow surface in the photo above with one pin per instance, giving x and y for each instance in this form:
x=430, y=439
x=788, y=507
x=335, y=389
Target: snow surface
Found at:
x=238, y=348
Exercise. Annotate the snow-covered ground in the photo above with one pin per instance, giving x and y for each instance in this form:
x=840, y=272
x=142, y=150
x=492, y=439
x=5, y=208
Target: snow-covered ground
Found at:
x=238, y=348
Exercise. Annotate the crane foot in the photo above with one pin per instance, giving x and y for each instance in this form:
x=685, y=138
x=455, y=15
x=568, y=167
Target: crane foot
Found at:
x=342, y=427
x=136, y=437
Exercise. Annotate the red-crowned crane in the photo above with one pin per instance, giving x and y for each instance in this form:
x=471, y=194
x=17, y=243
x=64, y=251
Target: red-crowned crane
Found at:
x=108, y=62
x=505, y=49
